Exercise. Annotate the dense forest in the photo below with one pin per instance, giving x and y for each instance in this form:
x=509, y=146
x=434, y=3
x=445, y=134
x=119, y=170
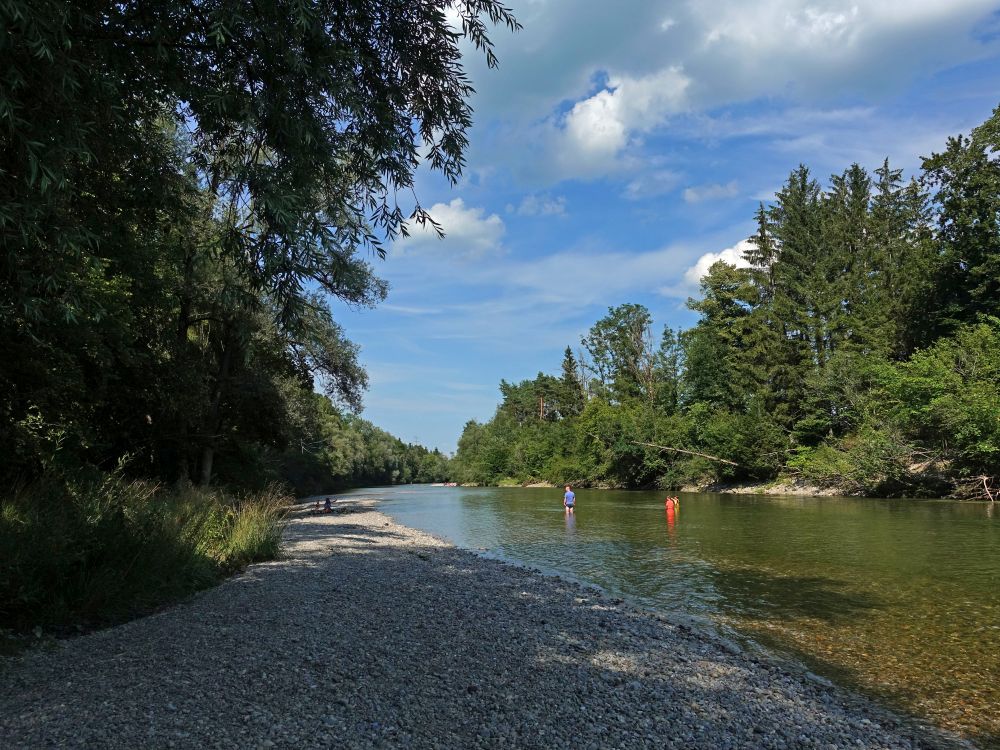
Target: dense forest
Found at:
x=860, y=349
x=189, y=191
x=181, y=204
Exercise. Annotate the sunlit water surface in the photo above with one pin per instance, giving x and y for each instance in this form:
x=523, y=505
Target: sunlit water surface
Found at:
x=897, y=597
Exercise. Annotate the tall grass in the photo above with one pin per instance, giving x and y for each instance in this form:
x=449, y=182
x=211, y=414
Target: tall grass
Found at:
x=98, y=552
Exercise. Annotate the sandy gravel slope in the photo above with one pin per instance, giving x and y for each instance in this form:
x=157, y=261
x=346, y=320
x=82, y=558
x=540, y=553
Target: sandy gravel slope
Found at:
x=369, y=634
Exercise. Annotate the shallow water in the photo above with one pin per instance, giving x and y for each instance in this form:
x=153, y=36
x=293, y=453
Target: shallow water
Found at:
x=897, y=597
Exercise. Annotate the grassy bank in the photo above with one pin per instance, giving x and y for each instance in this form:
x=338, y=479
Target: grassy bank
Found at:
x=83, y=555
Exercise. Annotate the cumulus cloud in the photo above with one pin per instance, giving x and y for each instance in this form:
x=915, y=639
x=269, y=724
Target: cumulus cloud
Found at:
x=712, y=192
x=597, y=129
x=695, y=273
x=730, y=49
x=469, y=233
x=805, y=53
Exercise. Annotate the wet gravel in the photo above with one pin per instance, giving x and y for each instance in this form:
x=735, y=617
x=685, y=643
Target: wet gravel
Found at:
x=372, y=635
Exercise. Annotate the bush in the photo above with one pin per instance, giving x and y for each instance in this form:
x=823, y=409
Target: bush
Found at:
x=823, y=465
x=872, y=461
x=99, y=552
x=948, y=397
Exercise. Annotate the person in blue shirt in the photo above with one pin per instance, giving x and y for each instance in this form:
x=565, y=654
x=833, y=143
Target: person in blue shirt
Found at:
x=569, y=499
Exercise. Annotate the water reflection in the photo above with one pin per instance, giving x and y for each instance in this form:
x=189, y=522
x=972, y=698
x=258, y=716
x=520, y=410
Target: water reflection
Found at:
x=898, y=597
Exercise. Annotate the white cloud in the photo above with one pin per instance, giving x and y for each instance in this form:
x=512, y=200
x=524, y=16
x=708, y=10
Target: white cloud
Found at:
x=541, y=205
x=597, y=129
x=529, y=302
x=469, y=233
x=804, y=53
x=693, y=275
x=652, y=184
x=712, y=192
x=731, y=50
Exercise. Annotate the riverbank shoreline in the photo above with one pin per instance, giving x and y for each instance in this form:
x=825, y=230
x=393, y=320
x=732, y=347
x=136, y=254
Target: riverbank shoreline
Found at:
x=773, y=487
x=789, y=487
x=778, y=487
x=371, y=634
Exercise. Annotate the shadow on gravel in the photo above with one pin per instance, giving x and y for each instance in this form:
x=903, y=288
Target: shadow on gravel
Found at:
x=411, y=645
x=508, y=643
x=310, y=530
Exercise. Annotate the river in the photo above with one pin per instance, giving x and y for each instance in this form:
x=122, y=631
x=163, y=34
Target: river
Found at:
x=898, y=598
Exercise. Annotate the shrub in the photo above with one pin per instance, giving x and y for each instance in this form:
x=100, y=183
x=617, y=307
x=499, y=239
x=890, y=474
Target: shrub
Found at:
x=101, y=551
x=823, y=465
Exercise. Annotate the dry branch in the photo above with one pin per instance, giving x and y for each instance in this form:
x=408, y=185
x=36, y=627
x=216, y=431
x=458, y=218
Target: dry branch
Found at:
x=690, y=453
x=676, y=450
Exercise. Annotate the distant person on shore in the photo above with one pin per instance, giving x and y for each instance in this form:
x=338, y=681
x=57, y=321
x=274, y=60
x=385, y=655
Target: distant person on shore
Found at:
x=569, y=499
x=327, y=506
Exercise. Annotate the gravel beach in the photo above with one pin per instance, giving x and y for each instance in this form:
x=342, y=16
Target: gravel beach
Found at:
x=368, y=634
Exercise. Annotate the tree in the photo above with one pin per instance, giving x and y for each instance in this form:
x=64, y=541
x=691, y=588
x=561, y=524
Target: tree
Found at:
x=572, y=396
x=669, y=368
x=902, y=266
x=169, y=175
x=965, y=179
x=719, y=368
x=621, y=349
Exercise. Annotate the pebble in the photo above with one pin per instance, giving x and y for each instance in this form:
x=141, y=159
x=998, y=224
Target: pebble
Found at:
x=367, y=634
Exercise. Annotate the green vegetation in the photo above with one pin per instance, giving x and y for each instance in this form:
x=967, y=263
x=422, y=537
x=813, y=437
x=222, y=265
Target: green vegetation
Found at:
x=182, y=203
x=93, y=552
x=343, y=450
x=859, y=349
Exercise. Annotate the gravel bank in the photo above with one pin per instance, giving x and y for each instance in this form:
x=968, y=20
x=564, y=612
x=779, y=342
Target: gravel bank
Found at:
x=369, y=634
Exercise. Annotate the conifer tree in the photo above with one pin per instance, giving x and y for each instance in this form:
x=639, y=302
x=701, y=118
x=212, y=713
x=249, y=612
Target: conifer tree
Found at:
x=966, y=180
x=796, y=228
x=572, y=394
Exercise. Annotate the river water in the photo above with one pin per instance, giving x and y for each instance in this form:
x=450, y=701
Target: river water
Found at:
x=899, y=598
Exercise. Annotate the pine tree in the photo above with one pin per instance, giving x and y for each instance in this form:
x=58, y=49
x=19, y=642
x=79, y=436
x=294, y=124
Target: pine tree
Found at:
x=572, y=393
x=762, y=254
x=901, y=265
x=719, y=363
x=847, y=263
x=966, y=177
x=796, y=228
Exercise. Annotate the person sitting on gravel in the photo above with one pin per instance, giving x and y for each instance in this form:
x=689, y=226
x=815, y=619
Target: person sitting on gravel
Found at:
x=327, y=506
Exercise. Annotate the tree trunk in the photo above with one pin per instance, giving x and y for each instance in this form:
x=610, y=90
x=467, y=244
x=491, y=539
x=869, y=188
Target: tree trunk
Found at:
x=179, y=420
x=214, y=421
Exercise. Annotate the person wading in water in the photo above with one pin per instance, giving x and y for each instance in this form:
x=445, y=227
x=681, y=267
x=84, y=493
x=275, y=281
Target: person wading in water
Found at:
x=569, y=499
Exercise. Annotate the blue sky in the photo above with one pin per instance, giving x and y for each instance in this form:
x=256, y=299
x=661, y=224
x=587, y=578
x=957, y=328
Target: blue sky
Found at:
x=622, y=147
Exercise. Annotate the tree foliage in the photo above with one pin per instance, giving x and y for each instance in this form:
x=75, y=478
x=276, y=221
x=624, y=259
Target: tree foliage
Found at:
x=184, y=189
x=858, y=349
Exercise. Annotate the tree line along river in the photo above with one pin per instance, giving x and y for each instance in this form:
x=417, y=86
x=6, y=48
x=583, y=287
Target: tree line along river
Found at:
x=898, y=598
